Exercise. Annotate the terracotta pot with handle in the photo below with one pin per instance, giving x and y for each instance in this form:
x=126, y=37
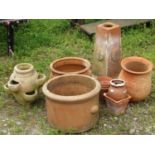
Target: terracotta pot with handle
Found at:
x=72, y=102
x=136, y=72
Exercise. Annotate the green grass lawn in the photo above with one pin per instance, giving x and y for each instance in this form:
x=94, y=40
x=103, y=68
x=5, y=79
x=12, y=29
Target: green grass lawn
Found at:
x=40, y=42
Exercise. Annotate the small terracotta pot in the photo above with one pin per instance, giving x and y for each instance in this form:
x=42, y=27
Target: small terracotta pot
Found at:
x=24, y=83
x=136, y=72
x=72, y=102
x=117, y=107
x=70, y=65
x=105, y=84
x=117, y=90
x=107, y=53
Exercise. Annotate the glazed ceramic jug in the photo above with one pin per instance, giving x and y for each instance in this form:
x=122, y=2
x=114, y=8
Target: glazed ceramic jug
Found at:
x=136, y=71
x=24, y=83
x=117, y=90
x=107, y=53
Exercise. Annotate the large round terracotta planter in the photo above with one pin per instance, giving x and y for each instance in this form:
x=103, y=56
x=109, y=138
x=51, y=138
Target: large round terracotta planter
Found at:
x=72, y=102
x=24, y=83
x=136, y=71
x=70, y=65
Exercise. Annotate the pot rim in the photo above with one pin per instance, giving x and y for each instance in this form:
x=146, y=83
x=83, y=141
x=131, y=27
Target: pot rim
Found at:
x=138, y=59
x=108, y=25
x=86, y=64
x=117, y=85
x=62, y=98
x=30, y=68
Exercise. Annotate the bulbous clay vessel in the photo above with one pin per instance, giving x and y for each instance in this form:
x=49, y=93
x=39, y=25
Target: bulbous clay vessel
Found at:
x=107, y=53
x=70, y=65
x=24, y=83
x=72, y=102
x=117, y=90
x=136, y=72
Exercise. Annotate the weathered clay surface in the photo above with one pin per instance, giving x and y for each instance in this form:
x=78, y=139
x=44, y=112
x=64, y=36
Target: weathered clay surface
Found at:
x=117, y=90
x=24, y=83
x=70, y=65
x=107, y=54
x=72, y=102
x=136, y=71
x=105, y=84
x=117, y=107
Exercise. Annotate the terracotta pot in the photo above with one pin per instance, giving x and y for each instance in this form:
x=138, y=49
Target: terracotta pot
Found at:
x=24, y=83
x=117, y=90
x=70, y=65
x=136, y=71
x=117, y=107
x=107, y=54
x=105, y=84
x=72, y=102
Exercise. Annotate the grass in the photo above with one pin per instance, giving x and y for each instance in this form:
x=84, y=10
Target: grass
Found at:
x=40, y=42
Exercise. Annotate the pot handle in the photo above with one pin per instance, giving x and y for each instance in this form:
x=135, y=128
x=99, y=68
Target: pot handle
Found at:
x=13, y=86
x=6, y=88
x=31, y=96
x=94, y=109
x=41, y=79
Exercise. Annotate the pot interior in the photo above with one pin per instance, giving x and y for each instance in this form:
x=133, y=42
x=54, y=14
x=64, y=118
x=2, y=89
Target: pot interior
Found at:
x=117, y=82
x=71, y=86
x=23, y=66
x=108, y=25
x=136, y=66
x=69, y=65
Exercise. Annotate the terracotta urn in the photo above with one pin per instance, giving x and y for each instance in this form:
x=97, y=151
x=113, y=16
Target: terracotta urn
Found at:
x=105, y=84
x=24, y=83
x=107, y=53
x=136, y=72
x=70, y=65
x=72, y=102
x=117, y=90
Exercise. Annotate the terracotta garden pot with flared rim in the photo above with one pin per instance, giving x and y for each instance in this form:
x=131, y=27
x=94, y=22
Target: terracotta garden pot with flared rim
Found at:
x=136, y=72
x=117, y=89
x=24, y=83
x=105, y=84
x=117, y=107
x=72, y=102
x=107, y=52
x=70, y=65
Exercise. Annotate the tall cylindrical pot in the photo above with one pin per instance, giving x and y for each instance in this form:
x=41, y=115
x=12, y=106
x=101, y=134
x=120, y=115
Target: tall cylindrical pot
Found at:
x=107, y=53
